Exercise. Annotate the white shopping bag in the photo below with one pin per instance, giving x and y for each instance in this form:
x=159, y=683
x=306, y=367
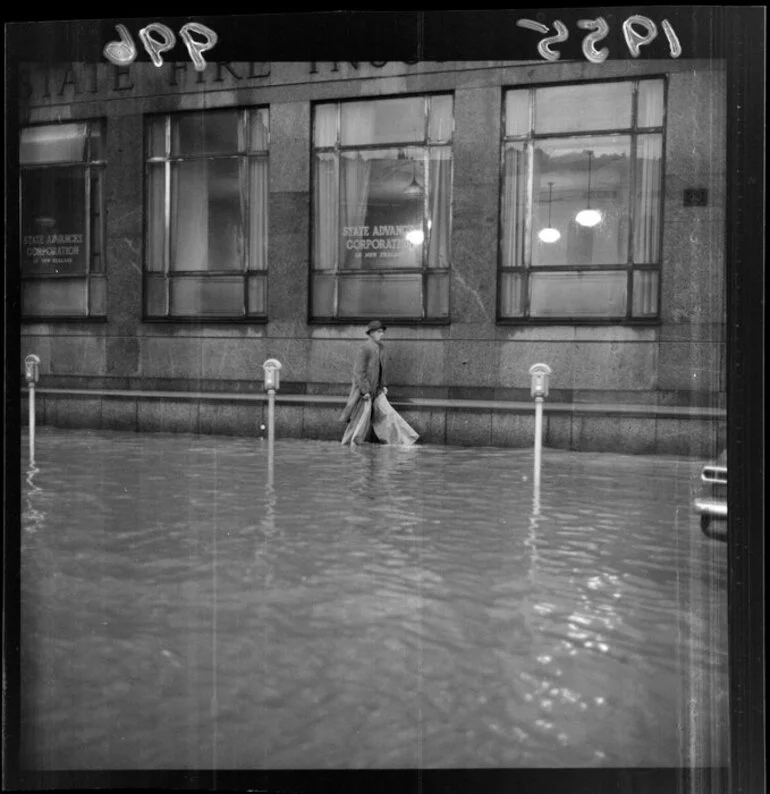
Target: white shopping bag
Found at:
x=358, y=426
x=389, y=426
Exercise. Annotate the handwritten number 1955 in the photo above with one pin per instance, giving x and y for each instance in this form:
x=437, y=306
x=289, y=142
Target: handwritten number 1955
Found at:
x=599, y=30
x=158, y=38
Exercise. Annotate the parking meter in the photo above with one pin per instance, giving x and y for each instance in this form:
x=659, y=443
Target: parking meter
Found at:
x=32, y=369
x=539, y=374
x=272, y=374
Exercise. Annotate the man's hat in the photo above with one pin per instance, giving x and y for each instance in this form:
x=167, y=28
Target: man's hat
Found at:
x=375, y=325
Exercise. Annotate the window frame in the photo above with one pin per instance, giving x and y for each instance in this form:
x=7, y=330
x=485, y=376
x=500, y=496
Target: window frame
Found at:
x=634, y=132
x=90, y=166
x=338, y=149
x=168, y=158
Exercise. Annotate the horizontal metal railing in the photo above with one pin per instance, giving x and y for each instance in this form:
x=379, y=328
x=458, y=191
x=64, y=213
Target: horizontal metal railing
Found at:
x=514, y=406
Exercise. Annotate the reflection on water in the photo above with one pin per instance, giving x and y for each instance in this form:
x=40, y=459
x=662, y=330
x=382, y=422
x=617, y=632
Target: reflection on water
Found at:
x=194, y=602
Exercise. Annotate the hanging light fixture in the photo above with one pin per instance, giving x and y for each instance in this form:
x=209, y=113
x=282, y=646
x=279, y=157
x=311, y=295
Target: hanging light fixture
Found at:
x=414, y=187
x=549, y=234
x=415, y=236
x=589, y=217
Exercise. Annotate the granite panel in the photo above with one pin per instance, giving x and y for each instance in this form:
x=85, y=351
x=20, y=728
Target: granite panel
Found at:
x=476, y=142
x=322, y=422
x=289, y=146
x=288, y=328
x=416, y=363
x=238, y=419
x=288, y=421
x=172, y=357
x=475, y=209
x=557, y=431
x=287, y=280
x=691, y=366
x=233, y=359
x=123, y=179
x=614, y=365
x=513, y=430
x=469, y=428
x=289, y=224
x=695, y=438
x=516, y=357
x=124, y=261
x=473, y=363
x=73, y=411
x=473, y=283
x=294, y=355
x=38, y=344
x=123, y=353
x=77, y=355
x=167, y=416
x=332, y=361
x=624, y=435
x=696, y=140
x=124, y=203
x=713, y=333
x=694, y=278
x=119, y=413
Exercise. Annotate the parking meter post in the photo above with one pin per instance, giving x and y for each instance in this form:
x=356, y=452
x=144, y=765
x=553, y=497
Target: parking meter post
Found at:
x=32, y=375
x=270, y=416
x=539, y=390
x=538, y=438
x=272, y=383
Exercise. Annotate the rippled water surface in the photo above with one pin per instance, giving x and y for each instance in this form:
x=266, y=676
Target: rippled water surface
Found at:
x=194, y=602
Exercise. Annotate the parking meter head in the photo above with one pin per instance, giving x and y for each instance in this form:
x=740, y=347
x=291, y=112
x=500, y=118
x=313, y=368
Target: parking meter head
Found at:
x=539, y=374
x=32, y=369
x=272, y=374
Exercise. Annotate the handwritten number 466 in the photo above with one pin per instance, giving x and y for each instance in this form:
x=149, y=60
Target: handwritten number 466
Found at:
x=158, y=38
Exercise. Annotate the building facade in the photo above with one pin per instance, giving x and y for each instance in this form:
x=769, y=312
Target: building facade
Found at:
x=180, y=227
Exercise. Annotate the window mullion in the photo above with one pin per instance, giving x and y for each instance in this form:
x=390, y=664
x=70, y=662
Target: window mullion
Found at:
x=337, y=247
x=527, y=263
x=87, y=235
x=167, y=216
x=425, y=216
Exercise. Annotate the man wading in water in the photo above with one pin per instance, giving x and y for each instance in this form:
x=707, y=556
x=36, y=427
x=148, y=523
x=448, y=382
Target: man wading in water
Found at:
x=368, y=408
x=368, y=384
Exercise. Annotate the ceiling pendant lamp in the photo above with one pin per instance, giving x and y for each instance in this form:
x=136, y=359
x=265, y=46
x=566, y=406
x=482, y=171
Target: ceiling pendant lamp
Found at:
x=589, y=217
x=549, y=234
x=414, y=187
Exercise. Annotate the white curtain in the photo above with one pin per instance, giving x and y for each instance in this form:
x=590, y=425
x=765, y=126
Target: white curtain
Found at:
x=514, y=206
x=257, y=209
x=647, y=204
x=354, y=195
x=514, y=209
x=439, y=204
x=325, y=125
x=326, y=213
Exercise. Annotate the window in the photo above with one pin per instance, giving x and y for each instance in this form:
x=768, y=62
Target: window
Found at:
x=62, y=235
x=382, y=185
x=206, y=243
x=581, y=202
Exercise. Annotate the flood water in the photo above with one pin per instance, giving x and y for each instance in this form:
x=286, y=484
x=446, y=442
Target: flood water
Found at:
x=193, y=602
